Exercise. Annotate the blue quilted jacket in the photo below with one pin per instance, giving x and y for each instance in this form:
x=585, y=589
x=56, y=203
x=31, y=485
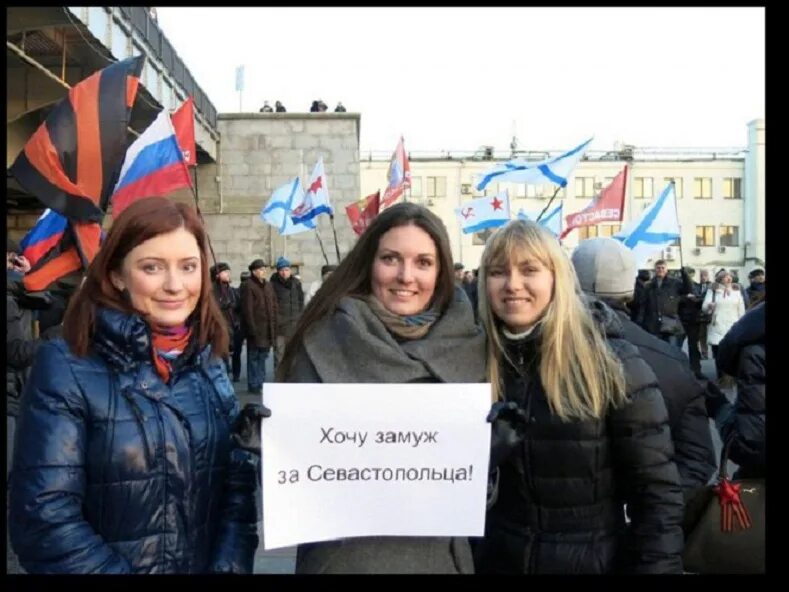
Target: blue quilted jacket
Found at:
x=117, y=472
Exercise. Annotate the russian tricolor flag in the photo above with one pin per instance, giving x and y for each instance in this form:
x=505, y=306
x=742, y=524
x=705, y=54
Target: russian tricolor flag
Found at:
x=46, y=233
x=154, y=165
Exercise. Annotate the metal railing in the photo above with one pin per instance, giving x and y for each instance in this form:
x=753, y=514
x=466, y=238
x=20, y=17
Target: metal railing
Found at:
x=147, y=27
x=537, y=155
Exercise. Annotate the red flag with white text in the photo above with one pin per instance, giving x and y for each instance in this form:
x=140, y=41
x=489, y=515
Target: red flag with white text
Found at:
x=606, y=207
x=184, y=124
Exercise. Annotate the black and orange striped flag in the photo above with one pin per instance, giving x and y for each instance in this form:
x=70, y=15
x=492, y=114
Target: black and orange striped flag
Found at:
x=72, y=162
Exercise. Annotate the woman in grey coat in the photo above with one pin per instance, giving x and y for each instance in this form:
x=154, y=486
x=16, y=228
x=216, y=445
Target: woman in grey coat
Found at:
x=391, y=314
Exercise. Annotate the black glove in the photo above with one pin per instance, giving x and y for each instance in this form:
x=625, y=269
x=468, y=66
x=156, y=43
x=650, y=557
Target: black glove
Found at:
x=507, y=432
x=246, y=429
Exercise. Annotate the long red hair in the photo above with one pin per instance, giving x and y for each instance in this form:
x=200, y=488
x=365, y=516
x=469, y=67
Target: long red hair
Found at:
x=141, y=221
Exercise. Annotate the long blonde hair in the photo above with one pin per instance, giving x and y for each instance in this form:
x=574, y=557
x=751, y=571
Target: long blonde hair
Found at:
x=580, y=374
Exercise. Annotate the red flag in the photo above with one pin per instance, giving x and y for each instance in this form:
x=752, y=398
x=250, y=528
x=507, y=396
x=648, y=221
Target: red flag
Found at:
x=606, y=207
x=184, y=124
x=362, y=212
x=399, y=175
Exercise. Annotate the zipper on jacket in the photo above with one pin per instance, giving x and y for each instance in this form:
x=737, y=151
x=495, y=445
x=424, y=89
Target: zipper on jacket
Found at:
x=138, y=413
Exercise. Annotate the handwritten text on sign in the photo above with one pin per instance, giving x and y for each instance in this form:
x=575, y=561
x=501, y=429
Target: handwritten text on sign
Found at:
x=348, y=460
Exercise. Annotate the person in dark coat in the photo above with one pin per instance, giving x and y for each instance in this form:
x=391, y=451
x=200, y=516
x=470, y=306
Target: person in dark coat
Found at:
x=279, y=107
x=360, y=330
x=315, y=107
x=689, y=310
x=605, y=268
x=742, y=354
x=580, y=426
x=658, y=311
x=229, y=300
x=757, y=289
x=124, y=460
x=21, y=347
x=259, y=311
x=340, y=108
x=290, y=304
x=638, y=293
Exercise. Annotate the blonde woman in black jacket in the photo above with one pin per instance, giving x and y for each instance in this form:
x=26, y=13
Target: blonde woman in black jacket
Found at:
x=586, y=426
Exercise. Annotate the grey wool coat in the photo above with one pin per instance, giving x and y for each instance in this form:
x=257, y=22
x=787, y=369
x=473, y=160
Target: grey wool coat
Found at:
x=353, y=345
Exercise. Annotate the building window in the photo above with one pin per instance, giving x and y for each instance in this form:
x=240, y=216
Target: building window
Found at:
x=732, y=188
x=120, y=42
x=584, y=187
x=479, y=238
x=436, y=187
x=677, y=185
x=702, y=188
x=520, y=191
x=729, y=236
x=416, y=187
x=642, y=188
x=465, y=189
x=705, y=236
x=491, y=189
x=609, y=229
x=99, y=24
x=587, y=232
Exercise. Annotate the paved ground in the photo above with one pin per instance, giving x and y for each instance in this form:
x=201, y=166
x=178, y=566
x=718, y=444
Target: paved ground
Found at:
x=282, y=561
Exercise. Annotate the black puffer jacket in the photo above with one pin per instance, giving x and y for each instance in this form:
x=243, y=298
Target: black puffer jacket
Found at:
x=694, y=452
x=742, y=353
x=560, y=506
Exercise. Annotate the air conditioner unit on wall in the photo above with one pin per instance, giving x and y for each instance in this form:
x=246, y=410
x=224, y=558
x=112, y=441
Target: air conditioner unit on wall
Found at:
x=721, y=249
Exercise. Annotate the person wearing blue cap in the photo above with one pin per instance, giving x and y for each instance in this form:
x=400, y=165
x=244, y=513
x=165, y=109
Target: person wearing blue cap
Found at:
x=290, y=300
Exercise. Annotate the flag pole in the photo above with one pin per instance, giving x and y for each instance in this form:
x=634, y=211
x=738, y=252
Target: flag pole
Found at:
x=336, y=245
x=676, y=211
x=320, y=242
x=550, y=201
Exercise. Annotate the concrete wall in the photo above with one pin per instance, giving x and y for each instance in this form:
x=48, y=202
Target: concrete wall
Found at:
x=259, y=152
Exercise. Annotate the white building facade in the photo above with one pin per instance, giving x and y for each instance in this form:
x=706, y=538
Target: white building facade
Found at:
x=720, y=197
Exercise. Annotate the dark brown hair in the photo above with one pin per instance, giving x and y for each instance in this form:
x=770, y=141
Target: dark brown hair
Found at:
x=142, y=220
x=353, y=276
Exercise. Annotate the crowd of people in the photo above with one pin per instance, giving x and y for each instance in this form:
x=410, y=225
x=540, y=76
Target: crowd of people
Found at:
x=131, y=454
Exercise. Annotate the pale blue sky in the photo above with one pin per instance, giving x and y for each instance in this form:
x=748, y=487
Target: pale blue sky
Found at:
x=457, y=78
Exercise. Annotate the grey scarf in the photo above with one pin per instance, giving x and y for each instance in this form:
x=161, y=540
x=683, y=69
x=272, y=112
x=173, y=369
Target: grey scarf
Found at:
x=353, y=345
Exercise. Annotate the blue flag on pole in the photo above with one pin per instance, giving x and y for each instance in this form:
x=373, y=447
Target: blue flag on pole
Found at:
x=484, y=212
x=654, y=229
x=552, y=170
x=277, y=210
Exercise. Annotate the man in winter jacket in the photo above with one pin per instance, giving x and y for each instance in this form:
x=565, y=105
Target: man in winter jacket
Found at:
x=290, y=303
x=658, y=310
x=756, y=290
x=605, y=269
x=692, y=319
x=259, y=312
x=229, y=299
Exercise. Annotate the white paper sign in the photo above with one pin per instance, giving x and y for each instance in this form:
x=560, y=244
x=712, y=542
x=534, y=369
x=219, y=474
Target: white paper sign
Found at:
x=349, y=460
